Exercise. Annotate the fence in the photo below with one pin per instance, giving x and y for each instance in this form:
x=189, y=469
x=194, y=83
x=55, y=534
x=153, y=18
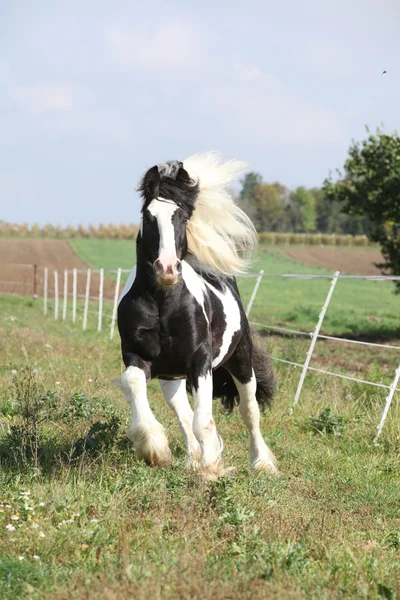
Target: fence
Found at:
x=315, y=335
x=61, y=281
x=18, y=279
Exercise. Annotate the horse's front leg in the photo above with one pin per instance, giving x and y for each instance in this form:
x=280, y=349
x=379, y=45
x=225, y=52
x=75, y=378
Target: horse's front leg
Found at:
x=146, y=433
x=204, y=428
x=176, y=398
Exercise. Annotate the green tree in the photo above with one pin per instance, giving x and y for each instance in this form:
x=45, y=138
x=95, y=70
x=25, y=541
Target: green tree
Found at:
x=370, y=188
x=302, y=214
x=269, y=208
x=264, y=202
x=250, y=184
x=332, y=219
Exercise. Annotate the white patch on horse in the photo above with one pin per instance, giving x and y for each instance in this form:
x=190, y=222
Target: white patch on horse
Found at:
x=176, y=398
x=232, y=321
x=261, y=457
x=146, y=433
x=128, y=284
x=204, y=429
x=163, y=211
x=195, y=285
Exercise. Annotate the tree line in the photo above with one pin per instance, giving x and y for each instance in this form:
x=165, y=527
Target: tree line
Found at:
x=273, y=207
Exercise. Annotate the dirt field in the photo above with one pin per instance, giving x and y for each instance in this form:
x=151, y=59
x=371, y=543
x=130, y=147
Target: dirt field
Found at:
x=353, y=261
x=17, y=260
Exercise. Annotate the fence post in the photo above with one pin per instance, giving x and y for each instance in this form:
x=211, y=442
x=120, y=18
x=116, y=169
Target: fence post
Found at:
x=389, y=399
x=56, y=294
x=315, y=337
x=45, y=289
x=253, y=295
x=35, y=281
x=65, y=299
x=74, y=286
x=85, y=311
x=101, y=292
x=114, y=312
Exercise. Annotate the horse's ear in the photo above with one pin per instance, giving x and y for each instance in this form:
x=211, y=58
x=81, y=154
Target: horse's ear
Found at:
x=151, y=183
x=183, y=175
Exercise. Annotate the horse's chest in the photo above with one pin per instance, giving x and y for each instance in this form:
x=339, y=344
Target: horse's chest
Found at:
x=180, y=332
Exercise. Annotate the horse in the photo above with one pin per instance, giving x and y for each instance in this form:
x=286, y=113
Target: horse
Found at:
x=181, y=318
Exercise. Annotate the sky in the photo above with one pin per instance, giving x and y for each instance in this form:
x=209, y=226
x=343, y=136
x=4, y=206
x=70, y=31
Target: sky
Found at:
x=93, y=93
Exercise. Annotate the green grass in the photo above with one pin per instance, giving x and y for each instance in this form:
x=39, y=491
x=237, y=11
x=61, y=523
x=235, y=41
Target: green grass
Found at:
x=107, y=254
x=98, y=523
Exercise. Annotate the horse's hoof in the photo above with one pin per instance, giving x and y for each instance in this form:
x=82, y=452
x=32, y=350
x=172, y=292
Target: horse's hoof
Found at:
x=214, y=471
x=266, y=466
x=151, y=445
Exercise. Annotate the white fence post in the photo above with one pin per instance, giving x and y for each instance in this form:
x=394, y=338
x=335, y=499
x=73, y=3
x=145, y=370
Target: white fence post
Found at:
x=101, y=292
x=65, y=299
x=56, y=294
x=254, y=294
x=87, y=294
x=45, y=289
x=74, y=286
x=389, y=399
x=114, y=313
x=315, y=337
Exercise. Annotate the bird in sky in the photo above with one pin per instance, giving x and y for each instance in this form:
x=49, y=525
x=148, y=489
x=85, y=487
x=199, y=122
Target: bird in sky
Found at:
x=383, y=73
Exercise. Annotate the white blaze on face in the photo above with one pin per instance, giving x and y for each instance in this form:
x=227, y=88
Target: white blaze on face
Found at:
x=163, y=211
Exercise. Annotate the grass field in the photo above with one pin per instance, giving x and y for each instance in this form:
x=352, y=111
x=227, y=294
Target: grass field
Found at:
x=82, y=518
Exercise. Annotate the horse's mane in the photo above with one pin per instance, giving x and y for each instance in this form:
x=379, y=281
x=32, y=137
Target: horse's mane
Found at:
x=221, y=237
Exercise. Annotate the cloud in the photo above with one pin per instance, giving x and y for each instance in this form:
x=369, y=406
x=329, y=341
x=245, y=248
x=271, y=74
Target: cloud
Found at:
x=252, y=73
x=169, y=48
x=42, y=97
x=263, y=107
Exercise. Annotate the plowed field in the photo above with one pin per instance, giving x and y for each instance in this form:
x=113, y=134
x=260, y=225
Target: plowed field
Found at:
x=17, y=260
x=353, y=261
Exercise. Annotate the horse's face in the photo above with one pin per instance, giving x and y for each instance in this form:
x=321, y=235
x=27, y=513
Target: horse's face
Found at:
x=164, y=241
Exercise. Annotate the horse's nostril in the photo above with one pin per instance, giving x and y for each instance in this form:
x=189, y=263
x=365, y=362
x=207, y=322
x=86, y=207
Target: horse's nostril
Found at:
x=157, y=266
x=178, y=266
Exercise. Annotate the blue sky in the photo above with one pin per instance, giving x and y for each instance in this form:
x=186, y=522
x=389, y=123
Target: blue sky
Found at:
x=93, y=93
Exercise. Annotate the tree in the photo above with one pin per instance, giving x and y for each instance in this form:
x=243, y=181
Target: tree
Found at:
x=269, y=208
x=302, y=210
x=250, y=184
x=370, y=188
x=332, y=219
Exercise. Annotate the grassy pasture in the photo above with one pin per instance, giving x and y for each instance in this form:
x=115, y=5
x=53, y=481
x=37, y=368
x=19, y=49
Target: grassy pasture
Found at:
x=80, y=517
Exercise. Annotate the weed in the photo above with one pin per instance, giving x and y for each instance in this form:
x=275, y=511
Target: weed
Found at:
x=79, y=407
x=100, y=437
x=32, y=405
x=327, y=422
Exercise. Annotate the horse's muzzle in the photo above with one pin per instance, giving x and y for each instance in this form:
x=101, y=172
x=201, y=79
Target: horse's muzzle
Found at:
x=167, y=274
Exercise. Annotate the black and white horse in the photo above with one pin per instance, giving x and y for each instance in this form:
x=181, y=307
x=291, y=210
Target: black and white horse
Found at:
x=181, y=319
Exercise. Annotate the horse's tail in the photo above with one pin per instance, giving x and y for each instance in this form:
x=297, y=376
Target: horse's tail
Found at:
x=224, y=387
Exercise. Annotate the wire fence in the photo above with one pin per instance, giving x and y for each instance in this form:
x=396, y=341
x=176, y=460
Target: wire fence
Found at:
x=62, y=286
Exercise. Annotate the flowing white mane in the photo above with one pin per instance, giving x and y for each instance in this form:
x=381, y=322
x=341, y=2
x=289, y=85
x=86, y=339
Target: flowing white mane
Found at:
x=220, y=235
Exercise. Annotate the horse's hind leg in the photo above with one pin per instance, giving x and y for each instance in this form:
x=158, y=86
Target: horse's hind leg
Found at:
x=176, y=398
x=261, y=457
x=146, y=433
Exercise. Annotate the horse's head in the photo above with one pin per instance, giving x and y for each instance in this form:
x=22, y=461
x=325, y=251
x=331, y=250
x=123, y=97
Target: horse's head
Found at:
x=169, y=195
